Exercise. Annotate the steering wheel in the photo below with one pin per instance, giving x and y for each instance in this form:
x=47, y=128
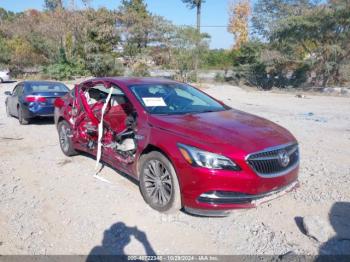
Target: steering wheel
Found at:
x=185, y=103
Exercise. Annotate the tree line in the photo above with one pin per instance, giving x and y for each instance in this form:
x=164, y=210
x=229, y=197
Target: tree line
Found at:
x=292, y=43
x=277, y=42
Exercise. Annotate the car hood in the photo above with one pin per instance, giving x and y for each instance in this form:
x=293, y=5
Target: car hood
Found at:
x=243, y=131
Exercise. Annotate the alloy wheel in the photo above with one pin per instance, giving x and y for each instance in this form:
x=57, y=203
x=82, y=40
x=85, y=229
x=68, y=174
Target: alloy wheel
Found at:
x=158, y=182
x=64, y=137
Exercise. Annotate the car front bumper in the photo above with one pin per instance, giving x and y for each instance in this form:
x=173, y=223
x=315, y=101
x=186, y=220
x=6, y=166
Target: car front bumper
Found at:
x=219, y=198
x=224, y=197
x=209, y=193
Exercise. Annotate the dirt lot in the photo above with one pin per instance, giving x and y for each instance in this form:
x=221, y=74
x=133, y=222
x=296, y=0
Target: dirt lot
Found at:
x=51, y=204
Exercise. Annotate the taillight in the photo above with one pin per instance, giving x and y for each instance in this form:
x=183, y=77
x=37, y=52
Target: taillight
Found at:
x=59, y=102
x=39, y=99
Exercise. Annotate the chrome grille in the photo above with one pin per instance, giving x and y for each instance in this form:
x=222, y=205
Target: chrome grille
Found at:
x=275, y=161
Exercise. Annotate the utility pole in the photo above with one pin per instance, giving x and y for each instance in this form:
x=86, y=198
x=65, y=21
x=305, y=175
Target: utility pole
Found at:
x=196, y=61
x=198, y=5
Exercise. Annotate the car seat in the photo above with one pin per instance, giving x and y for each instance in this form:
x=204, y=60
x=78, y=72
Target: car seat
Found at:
x=89, y=99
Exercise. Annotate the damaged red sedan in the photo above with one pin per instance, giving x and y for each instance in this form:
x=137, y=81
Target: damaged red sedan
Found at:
x=186, y=149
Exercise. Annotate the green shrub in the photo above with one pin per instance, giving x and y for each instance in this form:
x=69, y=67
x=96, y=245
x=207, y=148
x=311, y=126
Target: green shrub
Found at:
x=141, y=70
x=219, y=77
x=300, y=75
x=65, y=70
x=258, y=76
x=104, y=65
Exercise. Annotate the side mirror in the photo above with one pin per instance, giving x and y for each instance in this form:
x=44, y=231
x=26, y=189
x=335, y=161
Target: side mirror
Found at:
x=8, y=93
x=59, y=102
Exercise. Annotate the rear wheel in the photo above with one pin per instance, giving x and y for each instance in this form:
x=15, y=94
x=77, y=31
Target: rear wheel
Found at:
x=65, y=138
x=22, y=120
x=8, y=110
x=158, y=183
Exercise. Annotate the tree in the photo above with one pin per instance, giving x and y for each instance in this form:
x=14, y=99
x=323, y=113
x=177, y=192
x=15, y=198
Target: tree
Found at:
x=24, y=54
x=267, y=14
x=186, y=43
x=324, y=36
x=52, y=5
x=135, y=25
x=198, y=5
x=238, y=22
x=163, y=34
x=247, y=65
x=102, y=37
x=6, y=15
x=5, y=52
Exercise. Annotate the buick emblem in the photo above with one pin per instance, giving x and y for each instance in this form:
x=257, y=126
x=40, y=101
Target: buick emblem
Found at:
x=283, y=158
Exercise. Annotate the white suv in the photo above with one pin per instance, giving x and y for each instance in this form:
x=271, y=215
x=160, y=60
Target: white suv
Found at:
x=4, y=76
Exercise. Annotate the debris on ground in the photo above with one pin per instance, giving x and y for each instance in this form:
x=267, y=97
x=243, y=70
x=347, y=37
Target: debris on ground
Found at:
x=64, y=162
x=311, y=116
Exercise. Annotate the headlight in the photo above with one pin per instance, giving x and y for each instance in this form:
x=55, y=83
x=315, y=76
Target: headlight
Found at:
x=197, y=157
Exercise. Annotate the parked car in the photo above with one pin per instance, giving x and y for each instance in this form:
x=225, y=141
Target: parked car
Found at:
x=5, y=76
x=30, y=99
x=186, y=149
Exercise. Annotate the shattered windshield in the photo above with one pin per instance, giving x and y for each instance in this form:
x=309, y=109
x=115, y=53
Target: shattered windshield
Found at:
x=174, y=99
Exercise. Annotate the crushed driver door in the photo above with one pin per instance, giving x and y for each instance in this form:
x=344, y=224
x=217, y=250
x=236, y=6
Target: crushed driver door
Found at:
x=84, y=122
x=116, y=144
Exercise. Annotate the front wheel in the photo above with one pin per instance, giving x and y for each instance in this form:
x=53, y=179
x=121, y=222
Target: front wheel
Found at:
x=65, y=137
x=158, y=183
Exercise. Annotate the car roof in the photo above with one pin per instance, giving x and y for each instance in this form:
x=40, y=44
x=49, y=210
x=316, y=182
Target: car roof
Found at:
x=41, y=82
x=128, y=81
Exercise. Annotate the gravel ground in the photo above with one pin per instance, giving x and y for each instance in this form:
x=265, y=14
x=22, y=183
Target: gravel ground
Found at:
x=51, y=204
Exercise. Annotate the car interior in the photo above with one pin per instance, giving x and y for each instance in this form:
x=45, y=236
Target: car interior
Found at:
x=118, y=119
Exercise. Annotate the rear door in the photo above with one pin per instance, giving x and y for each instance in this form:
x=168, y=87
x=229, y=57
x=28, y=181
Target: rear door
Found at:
x=10, y=100
x=14, y=99
x=78, y=112
x=79, y=118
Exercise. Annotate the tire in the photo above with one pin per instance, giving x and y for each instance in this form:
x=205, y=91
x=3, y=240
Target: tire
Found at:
x=7, y=111
x=1, y=80
x=159, y=185
x=64, y=132
x=21, y=119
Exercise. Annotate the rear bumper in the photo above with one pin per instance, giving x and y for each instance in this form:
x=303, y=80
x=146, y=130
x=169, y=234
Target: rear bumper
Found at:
x=38, y=111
